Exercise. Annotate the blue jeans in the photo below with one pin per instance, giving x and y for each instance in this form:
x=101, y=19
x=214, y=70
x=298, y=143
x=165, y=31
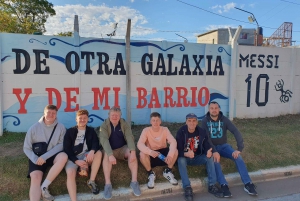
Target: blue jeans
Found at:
x=225, y=150
x=197, y=160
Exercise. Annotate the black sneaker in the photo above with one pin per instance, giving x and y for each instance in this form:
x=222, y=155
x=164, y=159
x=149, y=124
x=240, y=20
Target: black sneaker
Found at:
x=93, y=186
x=188, y=194
x=250, y=188
x=216, y=191
x=226, y=192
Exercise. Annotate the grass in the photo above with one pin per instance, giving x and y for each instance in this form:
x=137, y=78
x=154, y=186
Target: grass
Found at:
x=269, y=143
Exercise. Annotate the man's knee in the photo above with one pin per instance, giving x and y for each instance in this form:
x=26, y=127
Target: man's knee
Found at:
x=181, y=161
x=144, y=156
x=36, y=176
x=71, y=172
x=98, y=154
x=62, y=157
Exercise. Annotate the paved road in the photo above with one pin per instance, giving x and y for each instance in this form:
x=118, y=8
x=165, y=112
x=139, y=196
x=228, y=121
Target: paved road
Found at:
x=279, y=190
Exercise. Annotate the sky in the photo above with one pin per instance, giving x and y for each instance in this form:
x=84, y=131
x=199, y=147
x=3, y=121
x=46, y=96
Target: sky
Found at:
x=170, y=20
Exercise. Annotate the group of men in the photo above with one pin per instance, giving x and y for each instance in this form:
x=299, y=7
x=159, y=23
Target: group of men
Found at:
x=80, y=147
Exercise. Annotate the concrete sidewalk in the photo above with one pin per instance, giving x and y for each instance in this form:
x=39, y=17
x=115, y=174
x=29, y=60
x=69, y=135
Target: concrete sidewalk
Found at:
x=198, y=185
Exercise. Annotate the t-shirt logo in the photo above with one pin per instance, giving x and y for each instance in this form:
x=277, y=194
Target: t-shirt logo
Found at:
x=192, y=143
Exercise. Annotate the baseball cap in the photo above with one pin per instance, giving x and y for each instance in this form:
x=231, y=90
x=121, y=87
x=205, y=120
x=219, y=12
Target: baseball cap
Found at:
x=191, y=116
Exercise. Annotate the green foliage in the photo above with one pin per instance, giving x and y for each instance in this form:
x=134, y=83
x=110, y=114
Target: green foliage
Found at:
x=24, y=16
x=68, y=33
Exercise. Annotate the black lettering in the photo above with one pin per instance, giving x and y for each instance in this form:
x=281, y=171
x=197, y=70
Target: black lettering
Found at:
x=261, y=61
x=103, y=63
x=149, y=63
x=252, y=60
x=276, y=61
x=26, y=67
x=68, y=62
x=209, y=58
x=244, y=59
x=88, y=61
x=38, y=62
x=170, y=56
x=160, y=64
x=270, y=61
x=185, y=59
x=198, y=65
x=119, y=64
x=219, y=65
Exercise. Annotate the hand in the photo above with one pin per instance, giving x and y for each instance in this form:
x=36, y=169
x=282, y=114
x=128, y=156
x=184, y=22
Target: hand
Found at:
x=209, y=153
x=216, y=156
x=169, y=160
x=81, y=163
x=40, y=161
x=189, y=154
x=112, y=160
x=154, y=154
x=132, y=156
x=90, y=157
x=236, y=154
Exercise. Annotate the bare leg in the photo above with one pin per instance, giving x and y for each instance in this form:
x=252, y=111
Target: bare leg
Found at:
x=145, y=160
x=58, y=164
x=106, y=169
x=133, y=166
x=95, y=165
x=71, y=183
x=35, y=185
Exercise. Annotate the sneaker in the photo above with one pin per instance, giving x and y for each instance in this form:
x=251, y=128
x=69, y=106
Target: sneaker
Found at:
x=226, y=192
x=93, y=186
x=107, y=191
x=188, y=194
x=46, y=195
x=151, y=180
x=250, y=188
x=136, y=188
x=216, y=191
x=170, y=177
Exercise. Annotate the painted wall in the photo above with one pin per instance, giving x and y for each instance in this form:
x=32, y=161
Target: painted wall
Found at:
x=74, y=72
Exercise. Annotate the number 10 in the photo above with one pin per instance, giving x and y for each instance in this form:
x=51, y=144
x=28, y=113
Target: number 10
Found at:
x=248, y=80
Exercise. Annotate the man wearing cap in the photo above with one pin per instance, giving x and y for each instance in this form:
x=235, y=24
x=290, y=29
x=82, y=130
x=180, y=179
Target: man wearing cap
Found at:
x=194, y=149
x=216, y=126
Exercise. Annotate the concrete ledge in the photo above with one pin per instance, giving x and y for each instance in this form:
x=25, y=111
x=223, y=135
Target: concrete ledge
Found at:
x=198, y=185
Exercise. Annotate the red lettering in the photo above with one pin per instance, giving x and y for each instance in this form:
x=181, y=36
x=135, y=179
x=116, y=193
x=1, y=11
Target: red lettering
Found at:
x=154, y=98
x=70, y=99
x=169, y=97
x=101, y=96
x=182, y=96
x=57, y=95
x=116, y=90
x=206, y=94
x=193, y=103
x=27, y=92
x=142, y=93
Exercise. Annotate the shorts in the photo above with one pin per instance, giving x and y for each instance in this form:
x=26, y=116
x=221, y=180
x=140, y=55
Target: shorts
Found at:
x=120, y=152
x=156, y=161
x=71, y=164
x=43, y=168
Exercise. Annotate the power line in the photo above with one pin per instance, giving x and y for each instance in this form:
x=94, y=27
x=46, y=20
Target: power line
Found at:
x=291, y=2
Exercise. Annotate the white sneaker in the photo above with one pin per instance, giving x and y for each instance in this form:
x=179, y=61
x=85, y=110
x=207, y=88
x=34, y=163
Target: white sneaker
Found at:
x=151, y=179
x=46, y=195
x=170, y=177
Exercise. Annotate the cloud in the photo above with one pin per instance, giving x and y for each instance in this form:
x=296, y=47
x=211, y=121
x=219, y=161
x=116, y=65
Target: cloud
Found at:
x=97, y=20
x=213, y=27
x=224, y=8
x=131, y=1
x=252, y=5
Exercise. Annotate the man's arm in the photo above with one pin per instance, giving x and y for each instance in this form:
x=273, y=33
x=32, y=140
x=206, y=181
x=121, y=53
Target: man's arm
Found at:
x=27, y=148
x=104, y=139
x=128, y=136
x=172, y=142
x=68, y=145
x=180, y=143
x=60, y=130
x=204, y=127
x=141, y=143
x=237, y=135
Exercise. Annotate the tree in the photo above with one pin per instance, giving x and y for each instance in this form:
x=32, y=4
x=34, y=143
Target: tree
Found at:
x=68, y=33
x=24, y=16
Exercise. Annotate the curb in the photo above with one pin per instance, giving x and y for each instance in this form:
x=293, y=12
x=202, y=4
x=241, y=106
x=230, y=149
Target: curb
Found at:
x=198, y=185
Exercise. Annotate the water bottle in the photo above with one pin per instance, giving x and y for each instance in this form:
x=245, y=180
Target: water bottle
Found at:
x=161, y=157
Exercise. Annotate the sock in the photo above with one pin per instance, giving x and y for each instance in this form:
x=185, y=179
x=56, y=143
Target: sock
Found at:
x=45, y=184
x=168, y=170
x=150, y=172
